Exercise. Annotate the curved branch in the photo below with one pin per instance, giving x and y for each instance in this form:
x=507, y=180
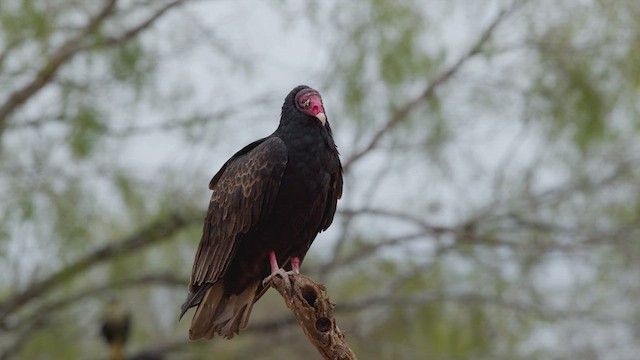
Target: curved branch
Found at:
x=153, y=232
x=405, y=216
x=367, y=250
x=41, y=317
x=404, y=111
x=71, y=48
x=134, y=31
x=51, y=67
x=390, y=300
x=314, y=312
x=166, y=279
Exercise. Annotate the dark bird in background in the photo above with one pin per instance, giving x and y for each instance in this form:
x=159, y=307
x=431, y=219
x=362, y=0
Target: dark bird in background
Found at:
x=115, y=328
x=269, y=202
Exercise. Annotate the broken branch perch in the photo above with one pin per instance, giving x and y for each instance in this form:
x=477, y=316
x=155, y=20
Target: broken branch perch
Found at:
x=314, y=312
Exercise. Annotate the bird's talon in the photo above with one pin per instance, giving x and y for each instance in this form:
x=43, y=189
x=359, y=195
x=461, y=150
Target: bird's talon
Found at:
x=283, y=274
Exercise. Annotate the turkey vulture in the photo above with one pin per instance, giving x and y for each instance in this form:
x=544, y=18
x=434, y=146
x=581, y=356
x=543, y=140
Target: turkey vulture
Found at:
x=269, y=202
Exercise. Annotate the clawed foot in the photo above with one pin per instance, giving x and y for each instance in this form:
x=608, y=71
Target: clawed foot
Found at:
x=283, y=274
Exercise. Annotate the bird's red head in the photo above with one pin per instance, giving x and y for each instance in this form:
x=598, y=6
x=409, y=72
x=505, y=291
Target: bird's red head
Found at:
x=309, y=102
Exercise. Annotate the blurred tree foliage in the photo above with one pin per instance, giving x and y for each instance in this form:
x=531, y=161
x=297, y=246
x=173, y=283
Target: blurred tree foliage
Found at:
x=491, y=152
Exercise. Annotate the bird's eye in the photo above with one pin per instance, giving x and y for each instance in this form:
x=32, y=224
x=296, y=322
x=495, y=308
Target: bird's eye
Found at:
x=306, y=103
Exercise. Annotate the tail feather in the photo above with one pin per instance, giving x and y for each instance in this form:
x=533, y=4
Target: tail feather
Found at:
x=222, y=314
x=193, y=299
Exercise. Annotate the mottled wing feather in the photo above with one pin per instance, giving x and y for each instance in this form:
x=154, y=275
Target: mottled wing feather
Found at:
x=244, y=191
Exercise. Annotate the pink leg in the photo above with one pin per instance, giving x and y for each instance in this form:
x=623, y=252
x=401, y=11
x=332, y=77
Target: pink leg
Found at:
x=295, y=264
x=276, y=270
x=273, y=261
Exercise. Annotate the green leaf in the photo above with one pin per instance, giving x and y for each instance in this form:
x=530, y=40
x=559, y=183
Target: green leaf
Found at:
x=131, y=63
x=87, y=128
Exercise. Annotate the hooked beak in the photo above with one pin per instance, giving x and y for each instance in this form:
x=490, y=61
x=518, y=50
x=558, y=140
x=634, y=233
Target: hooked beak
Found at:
x=322, y=117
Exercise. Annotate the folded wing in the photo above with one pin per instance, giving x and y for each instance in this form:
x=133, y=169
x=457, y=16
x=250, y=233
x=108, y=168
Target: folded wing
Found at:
x=244, y=191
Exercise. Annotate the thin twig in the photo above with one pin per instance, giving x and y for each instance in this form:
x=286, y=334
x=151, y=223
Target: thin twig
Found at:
x=402, y=113
x=134, y=31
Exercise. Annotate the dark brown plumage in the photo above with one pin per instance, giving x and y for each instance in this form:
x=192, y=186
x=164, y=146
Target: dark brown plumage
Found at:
x=273, y=196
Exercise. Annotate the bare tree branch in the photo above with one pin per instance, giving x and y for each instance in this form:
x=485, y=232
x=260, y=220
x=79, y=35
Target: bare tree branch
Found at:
x=159, y=349
x=71, y=48
x=400, y=216
x=136, y=30
x=367, y=250
x=470, y=298
x=51, y=67
x=402, y=113
x=314, y=312
x=153, y=232
x=149, y=279
x=42, y=316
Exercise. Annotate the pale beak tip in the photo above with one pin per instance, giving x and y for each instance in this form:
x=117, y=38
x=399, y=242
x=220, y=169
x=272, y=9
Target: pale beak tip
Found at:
x=322, y=117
